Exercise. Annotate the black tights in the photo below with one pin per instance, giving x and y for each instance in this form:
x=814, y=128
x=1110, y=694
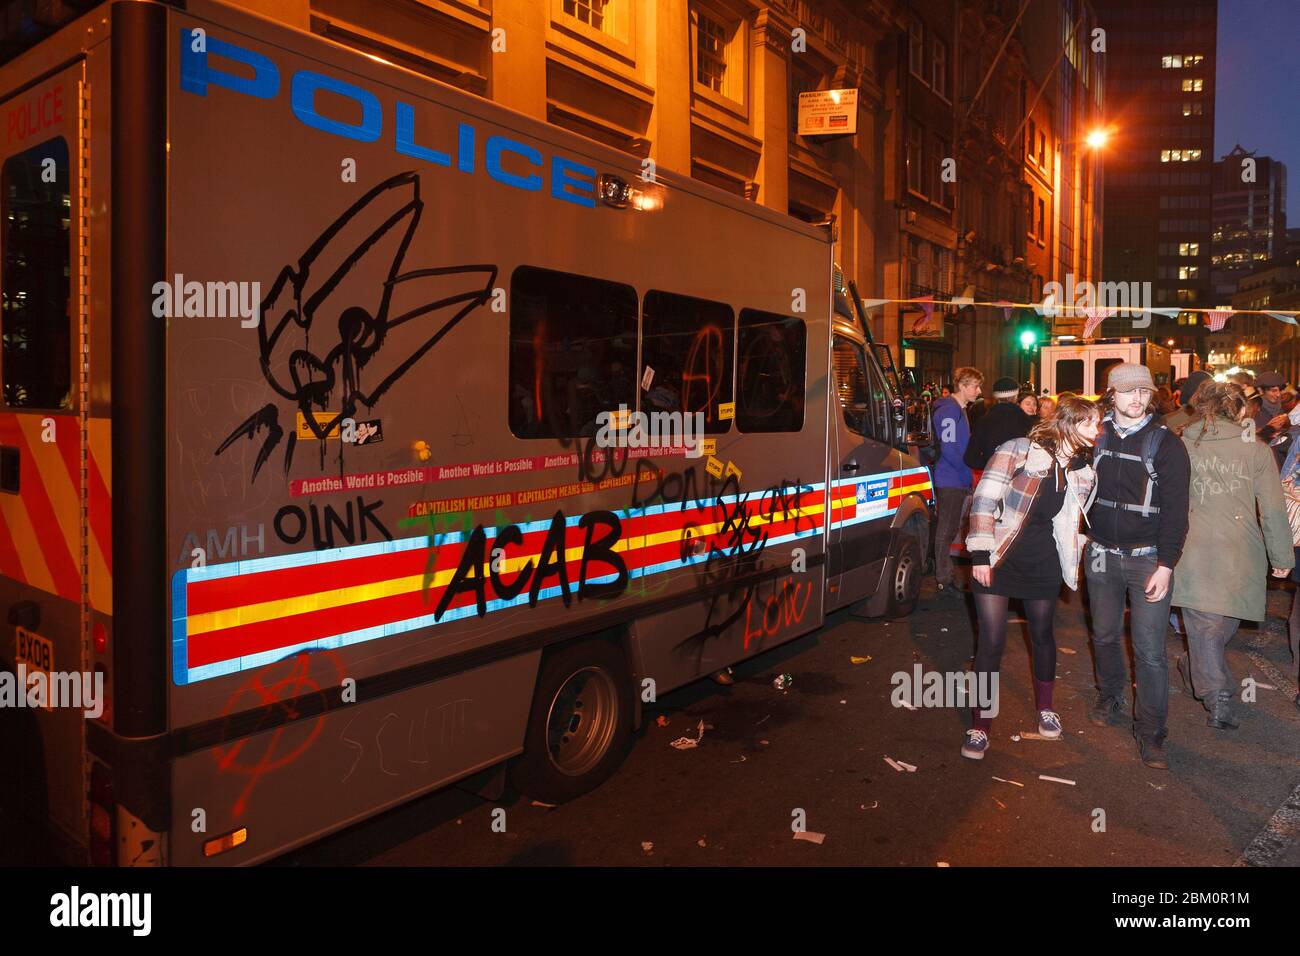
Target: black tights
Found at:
x=992, y=612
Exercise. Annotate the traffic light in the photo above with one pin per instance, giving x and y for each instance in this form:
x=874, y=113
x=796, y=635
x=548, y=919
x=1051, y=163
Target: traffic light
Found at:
x=1031, y=332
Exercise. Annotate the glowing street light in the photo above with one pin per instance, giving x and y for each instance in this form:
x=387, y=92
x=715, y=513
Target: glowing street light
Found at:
x=1098, y=138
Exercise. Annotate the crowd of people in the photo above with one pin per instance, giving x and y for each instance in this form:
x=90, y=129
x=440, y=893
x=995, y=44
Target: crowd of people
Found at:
x=1157, y=498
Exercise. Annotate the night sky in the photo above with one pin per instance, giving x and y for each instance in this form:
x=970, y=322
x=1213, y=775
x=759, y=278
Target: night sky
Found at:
x=1258, y=86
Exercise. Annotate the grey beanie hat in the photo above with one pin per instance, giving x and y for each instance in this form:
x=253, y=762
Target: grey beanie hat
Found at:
x=1006, y=387
x=1127, y=376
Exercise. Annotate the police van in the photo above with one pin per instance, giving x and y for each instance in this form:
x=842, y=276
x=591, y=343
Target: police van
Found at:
x=1070, y=365
x=327, y=394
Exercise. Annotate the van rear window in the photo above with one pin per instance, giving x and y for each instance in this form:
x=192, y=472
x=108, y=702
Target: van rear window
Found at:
x=572, y=352
x=35, y=279
x=688, y=350
x=770, y=372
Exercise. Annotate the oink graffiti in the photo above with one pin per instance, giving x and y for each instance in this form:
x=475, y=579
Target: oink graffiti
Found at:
x=292, y=524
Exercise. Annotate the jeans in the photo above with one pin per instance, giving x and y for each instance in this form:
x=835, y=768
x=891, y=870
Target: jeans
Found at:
x=1111, y=578
x=1207, y=635
x=950, y=503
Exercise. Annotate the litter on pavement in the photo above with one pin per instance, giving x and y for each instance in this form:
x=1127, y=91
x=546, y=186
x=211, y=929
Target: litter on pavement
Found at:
x=647, y=846
x=661, y=720
x=810, y=836
x=1024, y=735
x=1014, y=783
x=1066, y=650
x=859, y=660
x=1043, y=776
x=899, y=765
x=688, y=743
x=783, y=681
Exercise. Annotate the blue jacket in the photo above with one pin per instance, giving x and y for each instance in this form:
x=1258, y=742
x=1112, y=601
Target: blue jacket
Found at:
x=950, y=422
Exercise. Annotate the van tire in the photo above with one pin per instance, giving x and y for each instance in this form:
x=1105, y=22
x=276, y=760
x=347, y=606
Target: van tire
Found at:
x=566, y=755
x=903, y=581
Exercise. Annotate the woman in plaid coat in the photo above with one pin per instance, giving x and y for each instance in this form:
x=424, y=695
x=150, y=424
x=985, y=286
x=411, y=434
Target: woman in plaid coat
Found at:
x=1024, y=541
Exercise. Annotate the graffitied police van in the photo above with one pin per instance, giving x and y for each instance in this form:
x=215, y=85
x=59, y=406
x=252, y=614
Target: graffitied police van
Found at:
x=303, y=365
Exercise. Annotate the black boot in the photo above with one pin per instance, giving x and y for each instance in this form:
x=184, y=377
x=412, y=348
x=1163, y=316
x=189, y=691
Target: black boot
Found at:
x=1221, y=715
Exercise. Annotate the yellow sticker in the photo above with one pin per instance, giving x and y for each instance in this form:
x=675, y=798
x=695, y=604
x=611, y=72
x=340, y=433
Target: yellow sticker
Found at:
x=322, y=419
x=733, y=470
x=708, y=446
x=726, y=410
x=713, y=467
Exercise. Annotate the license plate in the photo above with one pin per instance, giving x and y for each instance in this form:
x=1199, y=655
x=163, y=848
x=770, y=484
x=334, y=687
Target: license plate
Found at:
x=38, y=654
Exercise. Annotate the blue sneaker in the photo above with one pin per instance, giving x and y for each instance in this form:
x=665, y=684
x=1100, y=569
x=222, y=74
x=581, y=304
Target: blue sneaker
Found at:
x=1049, y=724
x=977, y=741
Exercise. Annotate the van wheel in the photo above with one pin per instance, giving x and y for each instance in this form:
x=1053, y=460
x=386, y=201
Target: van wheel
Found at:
x=904, y=585
x=580, y=727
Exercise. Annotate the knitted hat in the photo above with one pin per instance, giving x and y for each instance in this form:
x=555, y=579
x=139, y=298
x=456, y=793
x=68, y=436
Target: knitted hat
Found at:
x=1005, y=387
x=1269, y=380
x=1127, y=376
x=1191, y=385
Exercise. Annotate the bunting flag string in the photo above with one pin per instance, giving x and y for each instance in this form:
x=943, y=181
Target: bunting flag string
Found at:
x=927, y=304
x=1095, y=316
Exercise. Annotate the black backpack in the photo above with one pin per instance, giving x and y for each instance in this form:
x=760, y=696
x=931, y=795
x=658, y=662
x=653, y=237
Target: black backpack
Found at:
x=1150, y=444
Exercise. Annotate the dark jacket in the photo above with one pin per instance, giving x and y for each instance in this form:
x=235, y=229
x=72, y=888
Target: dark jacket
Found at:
x=1004, y=422
x=1123, y=480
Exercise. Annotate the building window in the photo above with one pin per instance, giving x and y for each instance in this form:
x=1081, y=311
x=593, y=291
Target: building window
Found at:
x=1193, y=86
x=916, y=48
x=1189, y=272
x=1189, y=248
x=594, y=13
x=710, y=53
x=939, y=67
x=1193, y=109
x=1042, y=221
x=1171, y=62
x=1042, y=149
x=1193, y=59
x=939, y=190
x=1186, y=295
x=915, y=156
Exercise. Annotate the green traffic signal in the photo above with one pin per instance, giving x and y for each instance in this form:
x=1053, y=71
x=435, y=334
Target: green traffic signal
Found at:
x=1028, y=339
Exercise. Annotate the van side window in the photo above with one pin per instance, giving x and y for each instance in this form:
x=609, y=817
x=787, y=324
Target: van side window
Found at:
x=36, y=278
x=1069, y=375
x=853, y=387
x=572, y=352
x=687, y=351
x=770, y=372
x=1101, y=371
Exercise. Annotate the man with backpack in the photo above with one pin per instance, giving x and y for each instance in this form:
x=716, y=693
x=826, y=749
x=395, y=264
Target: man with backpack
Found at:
x=1138, y=523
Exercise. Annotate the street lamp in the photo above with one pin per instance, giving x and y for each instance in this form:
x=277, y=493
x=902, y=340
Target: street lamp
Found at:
x=1098, y=138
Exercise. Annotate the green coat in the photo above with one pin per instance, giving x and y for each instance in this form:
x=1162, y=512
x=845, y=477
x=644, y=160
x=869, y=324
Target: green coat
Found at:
x=1224, y=567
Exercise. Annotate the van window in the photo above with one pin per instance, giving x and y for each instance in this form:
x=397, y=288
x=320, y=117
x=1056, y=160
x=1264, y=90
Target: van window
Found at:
x=1069, y=376
x=853, y=387
x=1101, y=371
x=770, y=372
x=687, y=352
x=35, y=280
x=572, y=352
